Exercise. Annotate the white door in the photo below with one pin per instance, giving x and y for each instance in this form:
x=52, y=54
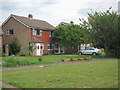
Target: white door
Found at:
x=38, y=49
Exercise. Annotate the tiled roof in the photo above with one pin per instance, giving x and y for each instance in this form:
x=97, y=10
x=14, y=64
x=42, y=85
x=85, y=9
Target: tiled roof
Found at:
x=34, y=22
x=63, y=23
x=35, y=40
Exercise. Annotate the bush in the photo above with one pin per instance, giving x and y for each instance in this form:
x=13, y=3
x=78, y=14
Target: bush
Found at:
x=14, y=47
x=71, y=59
x=39, y=59
x=16, y=61
x=62, y=60
x=46, y=54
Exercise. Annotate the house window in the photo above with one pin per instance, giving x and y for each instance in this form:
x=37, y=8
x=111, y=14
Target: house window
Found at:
x=37, y=32
x=51, y=34
x=9, y=32
x=34, y=32
x=42, y=47
x=50, y=46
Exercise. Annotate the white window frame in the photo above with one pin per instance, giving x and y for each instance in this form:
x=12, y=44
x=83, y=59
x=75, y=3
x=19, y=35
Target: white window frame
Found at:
x=34, y=32
x=51, y=34
x=42, y=46
x=40, y=33
x=8, y=32
x=50, y=46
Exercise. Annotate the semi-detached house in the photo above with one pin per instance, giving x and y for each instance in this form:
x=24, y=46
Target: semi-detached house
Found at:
x=27, y=31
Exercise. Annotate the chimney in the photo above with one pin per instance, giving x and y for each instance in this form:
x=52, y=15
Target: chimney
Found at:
x=71, y=22
x=30, y=16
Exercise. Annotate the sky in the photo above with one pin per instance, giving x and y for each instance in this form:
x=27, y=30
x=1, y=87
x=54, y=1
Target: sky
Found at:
x=55, y=11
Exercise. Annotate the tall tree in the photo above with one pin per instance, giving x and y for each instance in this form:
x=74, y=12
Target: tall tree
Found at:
x=69, y=36
x=103, y=28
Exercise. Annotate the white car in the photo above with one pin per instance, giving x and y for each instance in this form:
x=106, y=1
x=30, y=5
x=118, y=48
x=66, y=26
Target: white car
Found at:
x=92, y=51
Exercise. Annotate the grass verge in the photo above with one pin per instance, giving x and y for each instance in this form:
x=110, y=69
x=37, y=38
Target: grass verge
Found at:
x=102, y=74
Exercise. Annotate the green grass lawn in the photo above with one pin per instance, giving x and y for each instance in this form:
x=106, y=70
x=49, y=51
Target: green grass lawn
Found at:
x=27, y=60
x=103, y=74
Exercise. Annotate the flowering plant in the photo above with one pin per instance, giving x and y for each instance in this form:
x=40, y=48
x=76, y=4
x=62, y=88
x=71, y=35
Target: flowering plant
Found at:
x=75, y=59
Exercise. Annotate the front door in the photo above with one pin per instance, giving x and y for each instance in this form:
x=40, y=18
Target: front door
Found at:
x=38, y=49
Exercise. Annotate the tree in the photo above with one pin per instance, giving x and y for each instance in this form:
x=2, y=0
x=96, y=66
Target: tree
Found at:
x=69, y=36
x=103, y=28
x=116, y=43
x=14, y=47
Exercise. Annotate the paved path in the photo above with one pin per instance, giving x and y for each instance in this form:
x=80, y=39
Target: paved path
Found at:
x=59, y=63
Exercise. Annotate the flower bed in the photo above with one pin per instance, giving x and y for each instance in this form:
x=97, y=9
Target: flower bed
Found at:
x=74, y=59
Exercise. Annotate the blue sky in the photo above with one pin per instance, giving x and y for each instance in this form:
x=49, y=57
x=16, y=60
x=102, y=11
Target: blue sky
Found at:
x=54, y=11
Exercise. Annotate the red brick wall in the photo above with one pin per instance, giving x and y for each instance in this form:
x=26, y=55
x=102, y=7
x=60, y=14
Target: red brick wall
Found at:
x=45, y=39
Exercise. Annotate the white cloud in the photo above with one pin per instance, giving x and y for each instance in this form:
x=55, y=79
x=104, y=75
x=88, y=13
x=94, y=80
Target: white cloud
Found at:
x=55, y=11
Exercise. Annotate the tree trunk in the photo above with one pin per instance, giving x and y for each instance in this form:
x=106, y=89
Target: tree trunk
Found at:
x=107, y=46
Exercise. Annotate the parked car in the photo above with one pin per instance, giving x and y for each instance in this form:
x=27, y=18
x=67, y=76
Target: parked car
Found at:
x=91, y=50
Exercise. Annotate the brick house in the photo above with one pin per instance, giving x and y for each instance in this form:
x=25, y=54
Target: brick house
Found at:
x=28, y=31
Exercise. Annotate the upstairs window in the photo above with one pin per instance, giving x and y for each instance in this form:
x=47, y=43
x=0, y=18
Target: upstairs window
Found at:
x=34, y=32
x=9, y=32
x=37, y=32
x=51, y=34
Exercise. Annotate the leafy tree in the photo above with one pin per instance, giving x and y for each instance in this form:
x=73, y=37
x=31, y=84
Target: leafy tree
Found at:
x=14, y=47
x=115, y=47
x=69, y=36
x=103, y=28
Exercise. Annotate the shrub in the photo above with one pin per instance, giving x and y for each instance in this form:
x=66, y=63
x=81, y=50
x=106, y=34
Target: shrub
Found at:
x=14, y=47
x=10, y=64
x=82, y=59
x=39, y=59
x=46, y=54
x=75, y=59
x=62, y=60
x=66, y=60
x=16, y=61
x=71, y=59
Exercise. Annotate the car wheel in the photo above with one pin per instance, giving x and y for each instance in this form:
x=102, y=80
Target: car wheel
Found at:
x=80, y=53
x=94, y=53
